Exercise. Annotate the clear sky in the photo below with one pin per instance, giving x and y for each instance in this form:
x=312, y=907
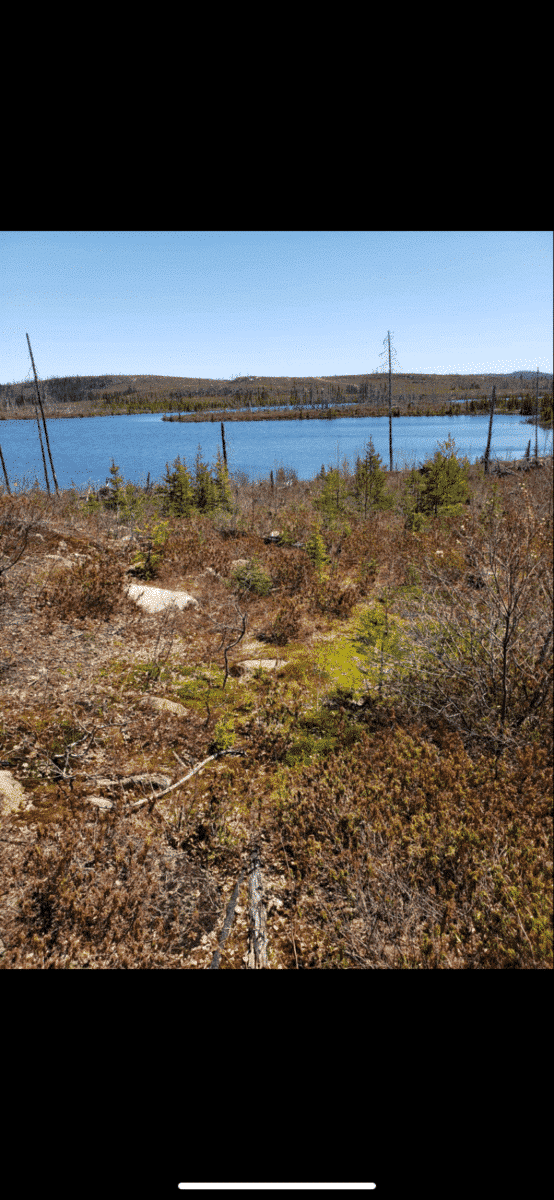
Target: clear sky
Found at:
x=219, y=305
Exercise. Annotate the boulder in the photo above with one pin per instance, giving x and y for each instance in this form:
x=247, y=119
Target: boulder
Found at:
x=162, y=704
x=155, y=599
x=12, y=795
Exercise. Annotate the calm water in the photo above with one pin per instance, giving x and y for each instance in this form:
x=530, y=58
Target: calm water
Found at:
x=82, y=448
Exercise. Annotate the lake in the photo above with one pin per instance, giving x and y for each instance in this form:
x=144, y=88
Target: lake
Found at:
x=82, y=448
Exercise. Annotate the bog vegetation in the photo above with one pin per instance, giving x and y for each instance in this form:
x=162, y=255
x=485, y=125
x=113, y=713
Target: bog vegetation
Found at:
x=364, y=688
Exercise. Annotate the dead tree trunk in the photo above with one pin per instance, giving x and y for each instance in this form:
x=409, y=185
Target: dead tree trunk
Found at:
x=45, y=429
x=537, y=419
x=5, y=473
x=488, y=449
x=390, y=352
x=257, y=934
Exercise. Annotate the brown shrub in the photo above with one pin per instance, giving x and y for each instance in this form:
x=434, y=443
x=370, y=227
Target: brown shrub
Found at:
x=286, y=625
x=92, y=589
x=293, y=573
x=99, y=893
x=337, y=597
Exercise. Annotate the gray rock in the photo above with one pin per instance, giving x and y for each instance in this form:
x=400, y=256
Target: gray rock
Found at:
x=155, y=599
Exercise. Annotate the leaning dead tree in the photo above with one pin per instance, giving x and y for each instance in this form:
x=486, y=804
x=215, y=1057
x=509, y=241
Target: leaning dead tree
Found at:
x=45, y=429
x=5, y=473
x=386, y=343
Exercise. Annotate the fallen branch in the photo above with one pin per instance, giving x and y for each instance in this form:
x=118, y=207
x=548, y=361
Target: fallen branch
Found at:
x=214, y=965
x=257, y=936
x=151, y=801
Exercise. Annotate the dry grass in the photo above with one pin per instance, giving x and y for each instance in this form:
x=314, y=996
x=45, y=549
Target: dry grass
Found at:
x=388, y=837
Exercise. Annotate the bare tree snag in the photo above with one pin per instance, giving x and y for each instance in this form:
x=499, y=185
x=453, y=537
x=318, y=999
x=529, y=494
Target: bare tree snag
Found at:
x=45, y=429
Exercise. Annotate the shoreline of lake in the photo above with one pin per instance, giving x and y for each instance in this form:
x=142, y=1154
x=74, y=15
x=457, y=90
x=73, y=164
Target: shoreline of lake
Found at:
x=285, y=413
x=142, y=443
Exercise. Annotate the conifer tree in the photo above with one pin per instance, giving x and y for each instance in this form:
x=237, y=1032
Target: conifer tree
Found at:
x=369, y=485
x=117, y=498
x=205, y=490
x=330, y=502
x=222, y=484
x=445, y=480
x=179, y=496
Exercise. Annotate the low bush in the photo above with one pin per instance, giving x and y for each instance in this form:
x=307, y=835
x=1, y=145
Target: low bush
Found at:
x=90, y=589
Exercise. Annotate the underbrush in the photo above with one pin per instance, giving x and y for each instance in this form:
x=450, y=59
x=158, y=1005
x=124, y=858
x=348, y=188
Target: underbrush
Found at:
x=405, y=822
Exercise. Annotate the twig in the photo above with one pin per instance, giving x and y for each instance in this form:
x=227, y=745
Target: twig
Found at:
x=151, y=801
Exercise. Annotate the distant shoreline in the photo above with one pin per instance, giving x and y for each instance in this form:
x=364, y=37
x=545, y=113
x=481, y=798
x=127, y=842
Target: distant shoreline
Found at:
x=355, y=412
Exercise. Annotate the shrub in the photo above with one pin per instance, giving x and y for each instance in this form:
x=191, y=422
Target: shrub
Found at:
x=252, y=578
x=286, y=625
x=88, y=589
x=224, y=736
x=337, y=597
x=482, y=658
x=146, y=562
x=379, y=639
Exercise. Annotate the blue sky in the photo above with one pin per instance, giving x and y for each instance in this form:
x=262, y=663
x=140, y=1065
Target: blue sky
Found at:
x=221, y=304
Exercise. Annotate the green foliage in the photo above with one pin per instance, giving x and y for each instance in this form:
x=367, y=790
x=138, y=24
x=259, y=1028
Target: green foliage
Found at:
x=116, y=500
x=315, y=549
x=126, y=499
x=445, y=485
x=224, y=498
x=369, y=486
x=252, y=578
x=331, y=500
x=224, y=736
x=410, y=502
x=317, y=734
x=440, y=487
x=205, y=488
x=146, y=562
x=209, y=491
x=413, y=576
x=378, y=633
x=179, y=495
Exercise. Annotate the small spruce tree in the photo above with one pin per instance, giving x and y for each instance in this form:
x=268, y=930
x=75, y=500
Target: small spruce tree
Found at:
x=315, y=549
x=117, y=498
x=331, y=500
x=369, y=484
x=205, y=489
x=222, y=484
x=179, y=496
x=444, y=481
